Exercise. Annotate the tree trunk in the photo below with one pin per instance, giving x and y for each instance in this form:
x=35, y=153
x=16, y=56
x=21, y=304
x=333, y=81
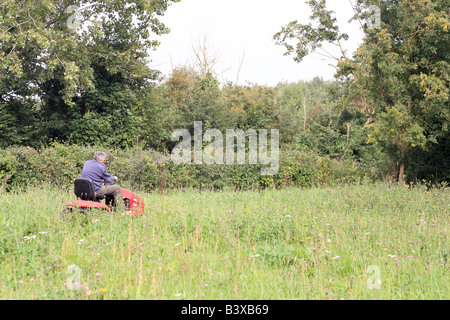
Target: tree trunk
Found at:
x=401, y=171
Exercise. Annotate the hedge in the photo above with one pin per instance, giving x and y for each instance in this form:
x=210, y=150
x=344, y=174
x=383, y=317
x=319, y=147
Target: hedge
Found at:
x=147, y=170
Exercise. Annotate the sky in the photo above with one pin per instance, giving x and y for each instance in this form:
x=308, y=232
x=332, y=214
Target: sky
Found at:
x=241, y=31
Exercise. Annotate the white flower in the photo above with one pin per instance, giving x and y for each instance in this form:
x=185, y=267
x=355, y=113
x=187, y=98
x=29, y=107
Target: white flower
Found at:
x=177, y=294
x=337, y=257
x=391, y=255
x=177, y=244
x=256, y=255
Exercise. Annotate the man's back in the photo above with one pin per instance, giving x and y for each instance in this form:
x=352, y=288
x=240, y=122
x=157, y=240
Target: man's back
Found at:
x=96, y=171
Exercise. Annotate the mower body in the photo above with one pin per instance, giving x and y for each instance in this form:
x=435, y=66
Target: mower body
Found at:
x=88, y=199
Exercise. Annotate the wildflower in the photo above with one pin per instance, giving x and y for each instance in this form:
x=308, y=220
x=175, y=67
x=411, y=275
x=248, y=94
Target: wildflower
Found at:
x=98, y=274
x=337, y=257
x=103, y=290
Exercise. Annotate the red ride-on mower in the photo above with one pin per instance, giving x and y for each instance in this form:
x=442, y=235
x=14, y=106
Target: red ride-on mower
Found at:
x=87, y=199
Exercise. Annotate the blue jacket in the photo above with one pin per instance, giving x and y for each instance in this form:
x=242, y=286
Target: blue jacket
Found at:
x=96, y=171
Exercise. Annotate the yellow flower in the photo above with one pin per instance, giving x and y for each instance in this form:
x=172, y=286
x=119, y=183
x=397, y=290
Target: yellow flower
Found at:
x=103, y=290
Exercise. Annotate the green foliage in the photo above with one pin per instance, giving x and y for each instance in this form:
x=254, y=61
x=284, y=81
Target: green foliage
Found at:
x=386, y=113
x=398, y=78
x=138, y=169
x=7, y=166
x=309, y=37
x=52, y=76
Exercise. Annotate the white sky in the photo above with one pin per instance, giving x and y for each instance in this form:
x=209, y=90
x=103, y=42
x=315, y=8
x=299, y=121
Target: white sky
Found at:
x=235, y=27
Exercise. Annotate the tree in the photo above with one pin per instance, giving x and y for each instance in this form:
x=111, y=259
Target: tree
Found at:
x=398, y=77
x=50, y=69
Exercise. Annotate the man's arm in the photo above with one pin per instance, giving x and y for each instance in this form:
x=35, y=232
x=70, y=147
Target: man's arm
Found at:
x=106, y=176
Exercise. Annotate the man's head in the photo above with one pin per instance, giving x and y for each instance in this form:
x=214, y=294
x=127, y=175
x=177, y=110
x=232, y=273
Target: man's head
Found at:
x=100, y=156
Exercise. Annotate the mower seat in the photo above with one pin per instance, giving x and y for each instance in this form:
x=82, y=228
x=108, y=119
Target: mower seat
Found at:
x=84, y=189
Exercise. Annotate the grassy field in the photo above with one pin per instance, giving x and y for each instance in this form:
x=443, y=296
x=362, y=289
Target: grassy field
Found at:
x=354, y=242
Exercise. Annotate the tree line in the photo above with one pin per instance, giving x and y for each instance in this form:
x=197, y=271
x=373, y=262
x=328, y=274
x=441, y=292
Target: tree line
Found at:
x=387, y=110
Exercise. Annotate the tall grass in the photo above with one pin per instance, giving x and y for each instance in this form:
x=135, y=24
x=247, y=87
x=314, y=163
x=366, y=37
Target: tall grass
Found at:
x=274, y=244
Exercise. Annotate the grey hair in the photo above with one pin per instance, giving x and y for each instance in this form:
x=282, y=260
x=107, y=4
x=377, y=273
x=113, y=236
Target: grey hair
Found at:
x=100, y=155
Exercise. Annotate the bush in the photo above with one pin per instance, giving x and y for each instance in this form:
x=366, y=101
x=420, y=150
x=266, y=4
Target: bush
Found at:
x=7, y=166
x=148, y=170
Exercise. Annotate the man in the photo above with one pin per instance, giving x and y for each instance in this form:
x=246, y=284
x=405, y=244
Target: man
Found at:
x=96, y=171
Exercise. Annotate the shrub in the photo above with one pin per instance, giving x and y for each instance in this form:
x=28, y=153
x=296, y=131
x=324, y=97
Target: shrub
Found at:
x=147, y=170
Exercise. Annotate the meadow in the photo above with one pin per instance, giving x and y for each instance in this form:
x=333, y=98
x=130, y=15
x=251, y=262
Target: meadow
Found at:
x=373, y=241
